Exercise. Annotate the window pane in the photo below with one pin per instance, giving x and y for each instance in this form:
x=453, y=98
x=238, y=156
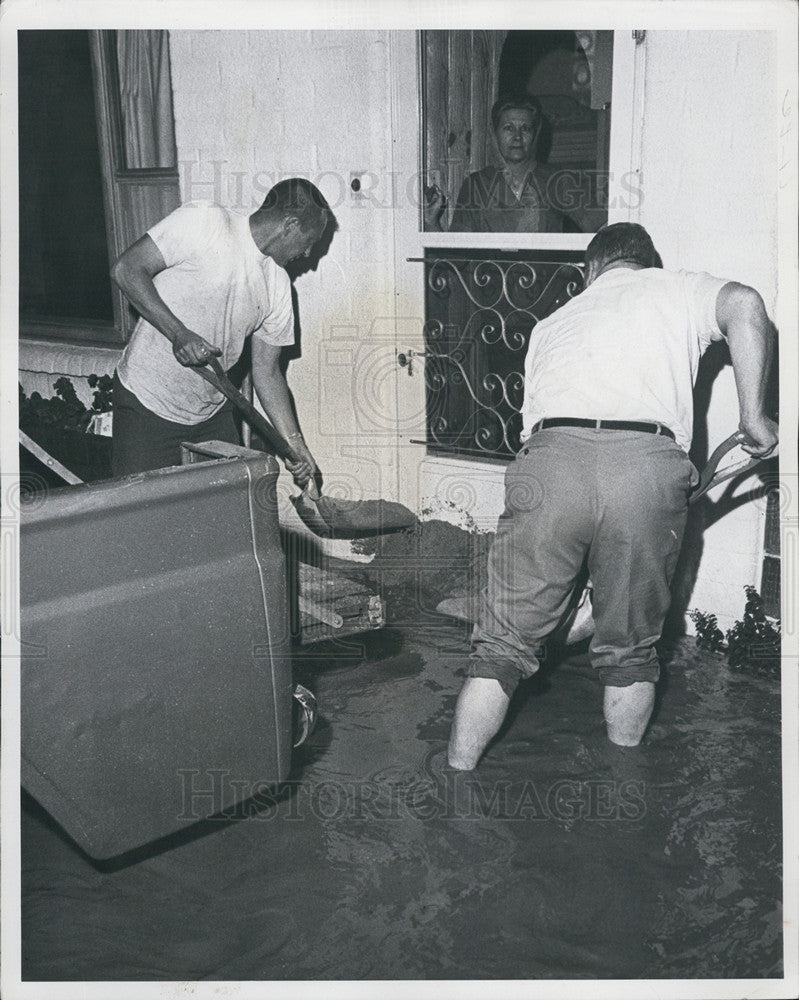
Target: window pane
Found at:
x=770, y=586
x=771, y=543
x=539, y=169
x=63, y=255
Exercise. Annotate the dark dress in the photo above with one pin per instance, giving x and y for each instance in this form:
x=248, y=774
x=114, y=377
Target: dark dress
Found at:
x=487, y=204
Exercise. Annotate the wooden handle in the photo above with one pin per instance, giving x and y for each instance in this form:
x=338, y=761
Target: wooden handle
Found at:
x=219, y=380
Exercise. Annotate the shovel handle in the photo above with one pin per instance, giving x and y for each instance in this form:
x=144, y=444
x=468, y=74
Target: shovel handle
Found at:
x=215, y=376
x=709, y=478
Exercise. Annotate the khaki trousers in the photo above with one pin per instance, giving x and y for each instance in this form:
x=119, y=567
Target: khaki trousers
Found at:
x=615, y=501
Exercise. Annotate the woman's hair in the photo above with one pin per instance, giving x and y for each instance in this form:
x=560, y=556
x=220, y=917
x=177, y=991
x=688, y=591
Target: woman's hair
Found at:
x=516, y=102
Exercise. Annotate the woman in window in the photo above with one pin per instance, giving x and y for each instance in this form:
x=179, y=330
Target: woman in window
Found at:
x=523, y=195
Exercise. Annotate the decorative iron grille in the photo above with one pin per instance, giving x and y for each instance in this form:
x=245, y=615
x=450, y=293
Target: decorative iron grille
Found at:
x=480, y=312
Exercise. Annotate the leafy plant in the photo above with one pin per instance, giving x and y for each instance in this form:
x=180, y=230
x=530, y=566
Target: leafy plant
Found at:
x=104, y=392
x=65, y=409
x=754, y=642
x=708, y=633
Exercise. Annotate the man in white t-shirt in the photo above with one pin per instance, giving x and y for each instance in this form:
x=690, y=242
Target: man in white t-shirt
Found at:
x=603, y=476
x=203, y=280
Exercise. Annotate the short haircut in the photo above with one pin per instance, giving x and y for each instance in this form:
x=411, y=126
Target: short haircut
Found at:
x=297, y=196
x=516, y=102
x=622, y=241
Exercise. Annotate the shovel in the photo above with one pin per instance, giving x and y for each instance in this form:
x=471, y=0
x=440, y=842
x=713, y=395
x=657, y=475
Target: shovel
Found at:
x=328, y=517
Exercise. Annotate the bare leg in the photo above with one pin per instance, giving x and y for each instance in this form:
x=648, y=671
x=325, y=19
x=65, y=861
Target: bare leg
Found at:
x=481, y=707
x=627, y=712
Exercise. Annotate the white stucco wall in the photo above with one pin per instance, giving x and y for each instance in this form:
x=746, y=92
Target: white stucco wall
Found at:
x=709, y=181
x=254, y=107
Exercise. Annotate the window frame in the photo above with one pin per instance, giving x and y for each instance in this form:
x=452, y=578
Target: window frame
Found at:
x=156, y=187
x=623, y=160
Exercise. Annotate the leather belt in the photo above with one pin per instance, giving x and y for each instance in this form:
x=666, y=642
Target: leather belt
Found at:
x=604, y=425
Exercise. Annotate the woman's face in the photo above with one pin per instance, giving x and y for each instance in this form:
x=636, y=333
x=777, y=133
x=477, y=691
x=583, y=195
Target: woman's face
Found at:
x=515, y=134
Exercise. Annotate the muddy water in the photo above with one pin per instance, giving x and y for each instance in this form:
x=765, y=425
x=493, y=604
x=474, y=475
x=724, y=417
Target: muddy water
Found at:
x=561, y=857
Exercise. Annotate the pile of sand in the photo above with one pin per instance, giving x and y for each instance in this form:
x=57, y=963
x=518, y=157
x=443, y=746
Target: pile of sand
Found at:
x=427, y=563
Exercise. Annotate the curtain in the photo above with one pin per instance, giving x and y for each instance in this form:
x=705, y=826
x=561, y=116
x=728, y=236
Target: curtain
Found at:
x=486, y=50
x=145, y=91
x=461, y=74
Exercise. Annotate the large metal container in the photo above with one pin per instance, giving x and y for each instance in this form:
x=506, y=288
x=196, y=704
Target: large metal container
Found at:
x=156, y=678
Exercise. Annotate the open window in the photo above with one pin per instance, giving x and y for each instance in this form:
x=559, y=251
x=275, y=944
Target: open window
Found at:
x=563, y=144
x=97, y=167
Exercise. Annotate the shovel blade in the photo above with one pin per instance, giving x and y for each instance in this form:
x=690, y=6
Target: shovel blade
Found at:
x=356, y=518
x=306, y=507
x=330, y=517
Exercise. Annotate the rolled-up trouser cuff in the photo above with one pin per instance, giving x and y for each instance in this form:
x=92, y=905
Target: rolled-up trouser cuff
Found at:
x=629, y=673
x=507, y=672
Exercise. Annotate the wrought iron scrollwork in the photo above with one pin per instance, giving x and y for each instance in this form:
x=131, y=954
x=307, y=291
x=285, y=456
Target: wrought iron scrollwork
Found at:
x=480, y=312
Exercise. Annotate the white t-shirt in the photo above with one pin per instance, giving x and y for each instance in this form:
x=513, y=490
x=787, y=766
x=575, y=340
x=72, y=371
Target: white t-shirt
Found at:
x=222, y=287
x=626, y=348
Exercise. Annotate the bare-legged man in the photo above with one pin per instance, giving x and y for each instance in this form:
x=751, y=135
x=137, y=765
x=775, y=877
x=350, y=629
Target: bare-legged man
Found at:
x=603, y=477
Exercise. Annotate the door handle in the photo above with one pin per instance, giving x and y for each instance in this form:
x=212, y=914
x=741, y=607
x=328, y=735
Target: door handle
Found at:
x=405, y=360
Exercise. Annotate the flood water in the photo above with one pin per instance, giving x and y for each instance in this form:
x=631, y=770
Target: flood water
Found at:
x=561, y=857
